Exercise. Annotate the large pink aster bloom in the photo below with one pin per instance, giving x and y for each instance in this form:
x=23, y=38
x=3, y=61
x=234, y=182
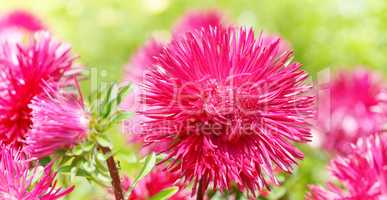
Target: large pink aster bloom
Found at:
x=59, y=122
x=349, y=109
x=144, y=59
x=19, y=182
x=21, y=77
x=360, y=175
x=228, y=107
x=154, y=183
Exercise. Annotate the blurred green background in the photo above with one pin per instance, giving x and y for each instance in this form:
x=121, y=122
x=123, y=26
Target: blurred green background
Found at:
x=323, y=33
x=330, y=33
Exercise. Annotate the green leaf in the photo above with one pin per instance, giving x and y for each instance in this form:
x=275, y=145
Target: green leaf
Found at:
x=64, y=158
x=103, y=141
x=121, y=116
x=100, y=162
x=123, y=92
x=165, y=194
x=83, y=173
x=150, y=162
x=45, y=161
x=94, y=95
x=77, y=150
x=109, y=102
x=108, y=107
x=65, y=169
x=73, y=173
x=110, y=92
x=104, y=179
x=87, y=166
x=277, y=193
x=88, y=146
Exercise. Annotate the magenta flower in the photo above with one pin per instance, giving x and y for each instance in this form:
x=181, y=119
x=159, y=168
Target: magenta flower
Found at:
x=139, y=64
x=361, y=174
x=22, y=20
x=59, y=122
x=21, y=77
x=154, y=183
x=348, y=109
x=194, y=20
x=18, y=24
x=143, y=59
x=228, y=107
x=19, y=182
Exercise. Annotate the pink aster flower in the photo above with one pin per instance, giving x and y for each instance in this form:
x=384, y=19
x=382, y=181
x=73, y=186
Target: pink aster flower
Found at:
x=154, y=183
x=140, y=63
x=361, y=174
x=21, y=19
x=229, y=108
x=21, y=77
x=142, y=60
x=197, y=20
x=348, y=110
x=15, y=25
x=59, y=122
x=194, y=20
x=19, y=182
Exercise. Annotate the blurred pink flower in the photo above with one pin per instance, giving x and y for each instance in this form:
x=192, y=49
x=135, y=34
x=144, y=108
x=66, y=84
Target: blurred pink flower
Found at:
x=196, y=20
x=22, y=20
x=19, y=182
x=142, y=60
x=347, y=110
x=228, y=106
x=361, y=174
x=21, y=77
x=154, y=183
x=58, y=122
x=16, y=25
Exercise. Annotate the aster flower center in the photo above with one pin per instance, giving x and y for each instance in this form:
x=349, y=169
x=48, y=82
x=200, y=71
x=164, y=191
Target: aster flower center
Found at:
x=220, y=109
